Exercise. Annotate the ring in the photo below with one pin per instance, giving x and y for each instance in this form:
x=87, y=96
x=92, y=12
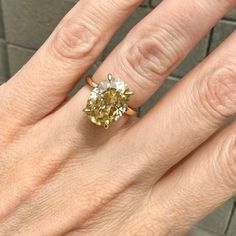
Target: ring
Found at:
x=108, y=101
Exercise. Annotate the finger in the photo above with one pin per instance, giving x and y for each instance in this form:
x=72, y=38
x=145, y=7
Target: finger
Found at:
x=75, y=44
x=197, y=186
x=154, y=48
x=189, y=114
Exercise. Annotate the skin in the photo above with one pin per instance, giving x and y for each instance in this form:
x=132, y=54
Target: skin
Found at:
x=158, y=175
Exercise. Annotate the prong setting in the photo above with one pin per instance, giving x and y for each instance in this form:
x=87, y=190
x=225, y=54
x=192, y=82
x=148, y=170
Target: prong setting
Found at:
x=108, y=101
x=110, y=77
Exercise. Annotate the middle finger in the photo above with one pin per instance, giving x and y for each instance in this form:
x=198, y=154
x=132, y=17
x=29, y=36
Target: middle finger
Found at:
x=191, y=112
x=154, y=48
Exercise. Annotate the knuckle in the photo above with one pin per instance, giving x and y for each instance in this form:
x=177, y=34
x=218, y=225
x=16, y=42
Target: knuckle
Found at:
x=218, y=93
x=75, y=40
x=153, y=57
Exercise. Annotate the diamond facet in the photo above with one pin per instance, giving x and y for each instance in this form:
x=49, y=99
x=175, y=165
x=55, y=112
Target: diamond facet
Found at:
x=108, y=101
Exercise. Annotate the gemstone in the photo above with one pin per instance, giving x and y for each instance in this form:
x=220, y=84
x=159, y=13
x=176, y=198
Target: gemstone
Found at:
x=108, y=101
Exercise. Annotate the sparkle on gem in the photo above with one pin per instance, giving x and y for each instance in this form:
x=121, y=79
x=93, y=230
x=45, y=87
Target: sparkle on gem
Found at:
x=108, y=101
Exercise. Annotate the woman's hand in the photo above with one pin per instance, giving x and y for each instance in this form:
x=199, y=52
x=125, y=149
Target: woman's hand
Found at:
x=159, y=175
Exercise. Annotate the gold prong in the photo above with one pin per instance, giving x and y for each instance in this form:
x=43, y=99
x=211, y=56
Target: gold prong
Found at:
x=109, y=77
x=106, y=126
x=86, y=109
x=129, y=92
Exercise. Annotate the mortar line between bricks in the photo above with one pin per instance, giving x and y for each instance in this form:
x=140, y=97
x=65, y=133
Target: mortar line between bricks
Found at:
x=210, y=41
x=21, y=46
x=230, y=218
x=209, y=231
x=228, y=20
x=3, y=22
x=4, y=35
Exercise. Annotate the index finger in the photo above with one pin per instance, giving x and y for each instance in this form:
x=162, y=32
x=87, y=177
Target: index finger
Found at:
x=71, y=49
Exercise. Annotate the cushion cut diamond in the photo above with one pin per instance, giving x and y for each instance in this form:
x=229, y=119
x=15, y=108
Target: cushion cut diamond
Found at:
x=108, y=101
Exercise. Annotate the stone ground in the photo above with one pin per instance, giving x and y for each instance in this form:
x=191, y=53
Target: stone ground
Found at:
x=24, y=26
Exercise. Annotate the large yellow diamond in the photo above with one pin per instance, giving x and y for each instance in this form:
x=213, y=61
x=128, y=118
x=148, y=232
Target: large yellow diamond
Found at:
x=108, y=101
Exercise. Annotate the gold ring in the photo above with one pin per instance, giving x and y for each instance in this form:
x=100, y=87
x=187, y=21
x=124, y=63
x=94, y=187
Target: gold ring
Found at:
x=108, y=101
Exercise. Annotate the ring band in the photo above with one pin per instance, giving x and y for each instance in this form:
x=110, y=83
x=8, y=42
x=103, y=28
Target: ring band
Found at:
x=91, y=83
x=108, y=101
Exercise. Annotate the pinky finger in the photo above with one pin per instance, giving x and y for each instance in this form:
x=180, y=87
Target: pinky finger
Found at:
x=201, y=183
x=192, y=190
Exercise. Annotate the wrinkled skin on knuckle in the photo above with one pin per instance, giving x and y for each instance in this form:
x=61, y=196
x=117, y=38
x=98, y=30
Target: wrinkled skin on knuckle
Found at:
x=75, y=41
x=217, y=91
x=152, y=58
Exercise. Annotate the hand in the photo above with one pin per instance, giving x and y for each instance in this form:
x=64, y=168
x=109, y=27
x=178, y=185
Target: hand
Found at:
x=158, y=175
